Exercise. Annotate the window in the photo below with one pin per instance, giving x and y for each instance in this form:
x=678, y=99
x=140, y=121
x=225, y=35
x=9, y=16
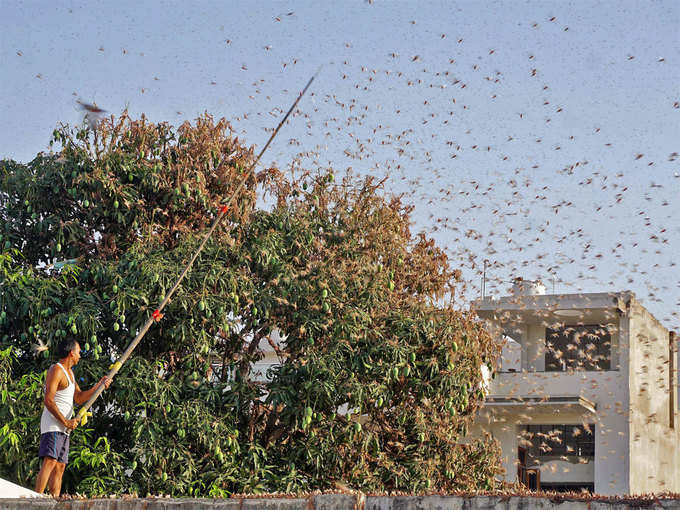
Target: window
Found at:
x=560, y=440
x=578, y=348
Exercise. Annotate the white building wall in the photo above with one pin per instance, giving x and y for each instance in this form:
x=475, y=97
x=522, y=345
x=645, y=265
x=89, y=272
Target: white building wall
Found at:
x=612, y=449
x=511, y=356
x=654, y=445
x=506, y=435
x=535, y=347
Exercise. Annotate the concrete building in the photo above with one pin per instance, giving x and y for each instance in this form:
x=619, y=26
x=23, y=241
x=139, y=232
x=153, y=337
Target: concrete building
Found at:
x=585, y=396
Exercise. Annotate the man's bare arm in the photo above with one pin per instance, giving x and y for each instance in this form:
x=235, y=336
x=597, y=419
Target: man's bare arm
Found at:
x=83, y=396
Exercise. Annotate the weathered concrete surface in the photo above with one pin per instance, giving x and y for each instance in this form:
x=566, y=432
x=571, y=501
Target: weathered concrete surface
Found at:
x=341, y=502
x=276, y=504
x=338, y=501
x=414, y=503
x=476, y=503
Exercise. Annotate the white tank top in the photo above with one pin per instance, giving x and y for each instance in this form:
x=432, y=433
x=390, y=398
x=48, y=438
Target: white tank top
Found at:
x=64, y=401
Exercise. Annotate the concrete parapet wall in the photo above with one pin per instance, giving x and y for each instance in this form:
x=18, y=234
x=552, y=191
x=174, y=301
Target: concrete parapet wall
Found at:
x=344, y=502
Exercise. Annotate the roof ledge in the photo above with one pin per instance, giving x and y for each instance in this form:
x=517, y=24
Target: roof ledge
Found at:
x=561, y=402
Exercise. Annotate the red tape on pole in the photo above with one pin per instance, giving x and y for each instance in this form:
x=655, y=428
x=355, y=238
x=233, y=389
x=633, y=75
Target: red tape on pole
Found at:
x=157, y=315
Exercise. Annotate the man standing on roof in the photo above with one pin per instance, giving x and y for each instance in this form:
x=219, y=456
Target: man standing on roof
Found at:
x=56, y=424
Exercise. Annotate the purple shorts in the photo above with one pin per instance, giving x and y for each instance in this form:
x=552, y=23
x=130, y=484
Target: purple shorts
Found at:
x=55, y=445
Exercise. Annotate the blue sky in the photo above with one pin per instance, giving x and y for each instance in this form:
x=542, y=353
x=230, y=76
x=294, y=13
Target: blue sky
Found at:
x=537, y=135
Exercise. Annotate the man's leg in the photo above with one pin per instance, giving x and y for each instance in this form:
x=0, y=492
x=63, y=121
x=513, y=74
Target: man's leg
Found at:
x=45, y=474
x=55, y=479
x=48, y=452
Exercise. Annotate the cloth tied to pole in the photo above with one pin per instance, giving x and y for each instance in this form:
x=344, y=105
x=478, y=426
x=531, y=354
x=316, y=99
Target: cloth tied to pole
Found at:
x=83, y=420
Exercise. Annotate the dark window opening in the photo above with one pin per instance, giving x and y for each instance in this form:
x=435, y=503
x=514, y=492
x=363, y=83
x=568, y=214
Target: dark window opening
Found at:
x=578, y=348
x=567, y=442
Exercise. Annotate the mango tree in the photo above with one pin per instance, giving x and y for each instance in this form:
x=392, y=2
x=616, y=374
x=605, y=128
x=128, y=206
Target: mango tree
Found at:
x=377, y=375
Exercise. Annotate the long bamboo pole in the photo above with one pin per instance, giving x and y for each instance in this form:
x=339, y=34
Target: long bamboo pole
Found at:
x=156, y=315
